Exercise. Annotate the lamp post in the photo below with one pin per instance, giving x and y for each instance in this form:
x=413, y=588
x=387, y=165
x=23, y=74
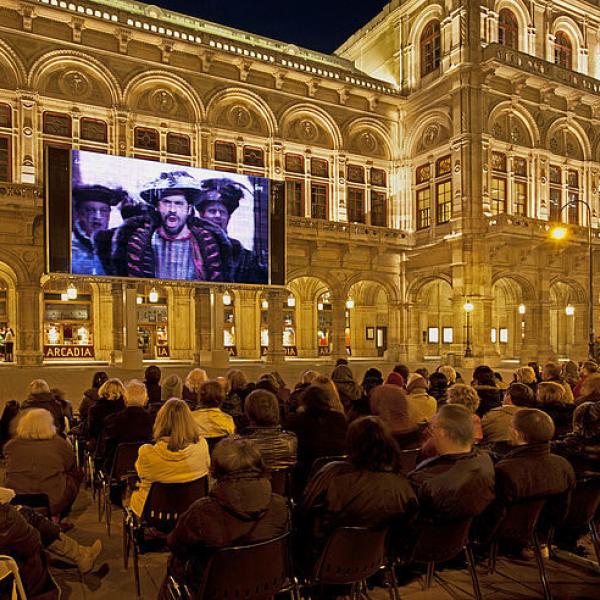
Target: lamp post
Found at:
x=560, y=232
x=468, y=308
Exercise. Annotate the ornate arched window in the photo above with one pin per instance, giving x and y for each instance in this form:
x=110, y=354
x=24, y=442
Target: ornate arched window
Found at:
x=563, y=50
x=430, y=48
x=508, y=29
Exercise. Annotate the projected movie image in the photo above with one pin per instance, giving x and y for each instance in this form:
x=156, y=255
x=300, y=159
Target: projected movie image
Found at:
x=140, y=218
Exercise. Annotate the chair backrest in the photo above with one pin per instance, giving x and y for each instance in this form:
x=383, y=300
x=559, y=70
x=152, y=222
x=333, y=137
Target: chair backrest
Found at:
x=351, y=555
x=124, y=460
x=438, y=541
x=166, y=501
x=519, y=521
x=8, y=568
x=408, y=459
x=281, y=481
x=213, y=441
x=320, y=462
x=39, y=502
x=585, y=501
x=252, y=572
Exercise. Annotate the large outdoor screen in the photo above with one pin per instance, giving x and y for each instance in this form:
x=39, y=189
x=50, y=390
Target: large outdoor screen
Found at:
x=146, y=219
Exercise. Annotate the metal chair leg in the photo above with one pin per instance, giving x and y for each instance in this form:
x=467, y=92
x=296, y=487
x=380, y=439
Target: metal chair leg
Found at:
x=541, y=567
x=473, y=572
x=429, y=576
x=126, y=543
x=107, y=511
x=492, y=558
x=595, y=539
x=136, y=568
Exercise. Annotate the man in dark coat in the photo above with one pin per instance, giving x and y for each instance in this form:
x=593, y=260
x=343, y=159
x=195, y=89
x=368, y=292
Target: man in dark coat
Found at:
x=240, y=509
x=40, y=396
x=168, y=241
x=459, y=482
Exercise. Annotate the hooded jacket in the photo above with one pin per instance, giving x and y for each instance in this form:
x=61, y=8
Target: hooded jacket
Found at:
x=48, y=401
x=496, y=423
x=240, y=509
x=347, y=388
x=158, y=463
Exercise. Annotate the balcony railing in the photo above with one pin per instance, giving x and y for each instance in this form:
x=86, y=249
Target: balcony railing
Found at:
x=539, y=66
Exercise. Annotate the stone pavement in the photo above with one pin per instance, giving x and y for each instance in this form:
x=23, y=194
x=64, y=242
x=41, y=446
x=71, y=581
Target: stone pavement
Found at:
x=112, y=582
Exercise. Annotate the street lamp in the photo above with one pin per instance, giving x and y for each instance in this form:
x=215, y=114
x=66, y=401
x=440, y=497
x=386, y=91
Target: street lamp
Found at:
x=468, y=308
x=569, y=310
x=560, y=232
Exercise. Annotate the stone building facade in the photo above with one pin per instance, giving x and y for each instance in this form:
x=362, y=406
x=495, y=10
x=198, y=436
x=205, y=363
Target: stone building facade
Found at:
x=423, y=165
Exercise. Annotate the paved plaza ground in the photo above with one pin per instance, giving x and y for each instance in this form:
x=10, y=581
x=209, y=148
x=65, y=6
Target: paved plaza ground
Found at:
x=113, y=582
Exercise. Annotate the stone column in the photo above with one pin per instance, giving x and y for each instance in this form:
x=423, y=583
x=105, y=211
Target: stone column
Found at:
x=247, y=324
x=338, y=306
x=132, y=355
x=219, y=356
x=202, y=326
x=28, y=351
x=116, y=354
x=276, y=353
x=306, y=328
x=395, y=318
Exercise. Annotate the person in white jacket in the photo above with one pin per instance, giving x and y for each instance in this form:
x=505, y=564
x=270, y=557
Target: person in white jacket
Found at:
x=178, y=455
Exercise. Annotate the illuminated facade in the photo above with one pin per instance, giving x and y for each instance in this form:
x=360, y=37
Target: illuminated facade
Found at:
x=422, y=165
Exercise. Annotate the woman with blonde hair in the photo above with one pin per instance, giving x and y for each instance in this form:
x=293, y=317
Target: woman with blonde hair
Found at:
x=210, y=419
x=526, y=375
x=40, y=462
x=553, y=400
x=466, y=395
x=111, y=400
x=191, y=388
x=179, y=454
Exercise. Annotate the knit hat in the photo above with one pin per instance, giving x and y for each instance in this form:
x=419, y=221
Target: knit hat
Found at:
x=395, y=379
x=415, y=382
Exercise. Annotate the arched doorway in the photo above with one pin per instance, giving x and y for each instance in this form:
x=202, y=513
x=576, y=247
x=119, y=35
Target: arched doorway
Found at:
x=153, y=321
x=367, y=319
x=507, y=332
x=568, y=323
x=289, y=325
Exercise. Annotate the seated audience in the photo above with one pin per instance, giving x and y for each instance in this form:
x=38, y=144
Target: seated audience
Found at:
x=536, y=370
x=449, y=372
x=210, y=419
x=590, y=389
x=238, y=388
x=331, y=392
x=67, y=408
x=395, y=379
x=278, y=448
x=459, y=482
x=111, y=400
x=551, y=399
x=132, y=424
x=421, y=406
x=240, y=509
x=296, y=396
x=171, y=387
x=367, y=490
x=499, y=380
x=348, y=389
x=402, y=370
x=466, y=395
x=424, y=373
x=589, y=367
x=191, y=388
x=38, y=461
x=490, y=395
x=362, y=407
x=373, y=374
x=40, y=396
x=497, y=423
x=179, y=454
x=569, y=373
x=283, y=391
x=90, y=396
x=551, y=372
x=389, y=403
x=526, y=375
x=152, y=381
x=438, y=387
x=531, y=470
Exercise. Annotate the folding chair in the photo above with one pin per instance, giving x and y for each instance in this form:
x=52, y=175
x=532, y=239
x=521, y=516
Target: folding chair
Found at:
x=8, y=568
x=408, y=460
x=213, y=441
x=281, y=482
x=320, y=462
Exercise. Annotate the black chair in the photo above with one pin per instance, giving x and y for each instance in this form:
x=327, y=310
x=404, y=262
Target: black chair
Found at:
x=213, y=441
x=320, y=462
x=164, y=504
x=439, y=542
x=252, y=572
x=40, y=503
x=519, y=527
x=123, y=467
x=408, y=460
x=350, y=556
x=281, y=481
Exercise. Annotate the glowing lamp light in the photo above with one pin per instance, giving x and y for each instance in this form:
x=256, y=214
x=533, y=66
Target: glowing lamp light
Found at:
x=227, y=299
x=468, y=306
x=559, y=232
x=291, y=301
x=521, y=309
x=349, y=303
x=264, y=304
x=320, y=306
x=64, y=297
x=153, y=295
x=72, y=292
x=139, y=300
x=569, y=310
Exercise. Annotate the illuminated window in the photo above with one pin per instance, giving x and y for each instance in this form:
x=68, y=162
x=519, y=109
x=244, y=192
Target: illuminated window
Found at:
x=5, y=158
x=447, y=335
x=443, y=196
x=563, y=50
x=520, y=198
x=318, y=201
x=555, y=193
x=423, y=208
x=294, y=194
x=508, y=29
x=433, y=335
x=498, y=199
x=378, y=209
x=573, y=209
x=430, y=48
x=5, y=115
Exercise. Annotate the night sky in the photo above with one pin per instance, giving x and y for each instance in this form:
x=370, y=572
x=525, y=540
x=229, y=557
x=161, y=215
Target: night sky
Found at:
x=316, y=24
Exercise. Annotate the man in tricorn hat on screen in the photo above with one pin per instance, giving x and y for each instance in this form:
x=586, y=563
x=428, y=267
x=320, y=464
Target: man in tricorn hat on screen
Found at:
x=91, y=213
x=216, y=202
x=168, y=241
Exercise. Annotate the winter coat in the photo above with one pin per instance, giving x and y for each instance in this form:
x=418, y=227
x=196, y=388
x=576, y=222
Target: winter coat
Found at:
x=158, y=463
x=278, y=448
x=190, y=397
x=48, y=401
x=295, y=400
x=132, y=424
x=454, y=486
x=240, y=509
x=41, y=467
x=421, y=406
x=440, y=393
x=21, y=541
x=90, y=397
x=154, y=392
x=389, y=402
x=569, y=399
x=347, y=388
x=496, y=423
x=489, y=397
x=593, y=397
x=102, y=409
x=213, y=422
x=562, y=416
